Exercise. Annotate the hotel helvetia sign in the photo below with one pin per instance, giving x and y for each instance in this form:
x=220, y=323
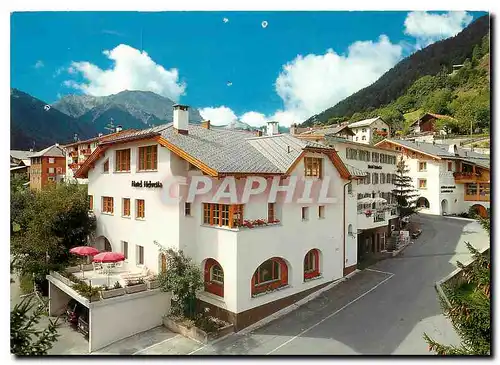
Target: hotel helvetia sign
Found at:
x=146, y=184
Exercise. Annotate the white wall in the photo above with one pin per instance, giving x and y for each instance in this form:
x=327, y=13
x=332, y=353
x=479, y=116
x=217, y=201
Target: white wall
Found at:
x=117, y=318
x=239, y=251
x=364, y=222
x=161, y=221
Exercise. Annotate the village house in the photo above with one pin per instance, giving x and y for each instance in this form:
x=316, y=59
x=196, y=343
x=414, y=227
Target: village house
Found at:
x=20, y=163
x=377, y=215
x=48, y=166
x=257, y=256
x=426, y=124
x=318, y=134
x=364, y=129
x=78, y=151
x=449, y=179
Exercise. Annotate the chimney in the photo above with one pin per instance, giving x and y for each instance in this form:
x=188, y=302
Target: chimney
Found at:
x=205, y=124
x=258, y=133
x=118, y=128
x=181, y=118
x=293, y=129
x=272, y=128
x=452, y=148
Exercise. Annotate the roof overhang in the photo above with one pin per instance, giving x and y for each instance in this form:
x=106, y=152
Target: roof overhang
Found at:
x=408, y=148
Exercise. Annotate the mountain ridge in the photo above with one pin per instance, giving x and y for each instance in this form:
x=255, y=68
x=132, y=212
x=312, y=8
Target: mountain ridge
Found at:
x=427, y=61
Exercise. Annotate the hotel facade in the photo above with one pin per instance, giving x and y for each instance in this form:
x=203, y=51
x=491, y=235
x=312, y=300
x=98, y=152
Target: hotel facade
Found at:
x=449, y=179
x=258, y=255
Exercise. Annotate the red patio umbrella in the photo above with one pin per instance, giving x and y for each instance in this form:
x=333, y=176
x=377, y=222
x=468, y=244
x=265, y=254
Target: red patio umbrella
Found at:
x=108, y=257
x=84, y=251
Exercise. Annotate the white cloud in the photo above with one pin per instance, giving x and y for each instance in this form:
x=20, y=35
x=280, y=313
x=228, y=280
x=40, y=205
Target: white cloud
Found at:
x=428, y=28
x=39, y=64
x=221, y=115
x=132, y=70
x=254, y=119
x=312, y=83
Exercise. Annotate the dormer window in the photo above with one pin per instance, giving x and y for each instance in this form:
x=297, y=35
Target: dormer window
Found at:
x=313, y=166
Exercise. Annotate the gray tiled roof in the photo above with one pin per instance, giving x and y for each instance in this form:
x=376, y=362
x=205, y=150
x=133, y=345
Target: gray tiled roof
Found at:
x=363, y=123
x=21, y=155
x=231, y=151
x=442, y=150
x=51, y=151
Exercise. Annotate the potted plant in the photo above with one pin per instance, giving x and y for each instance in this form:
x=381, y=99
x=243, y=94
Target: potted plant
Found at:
x=247, y=224
x=152, y=283
x=368, y=212
x=135, y=286
x=114, y=291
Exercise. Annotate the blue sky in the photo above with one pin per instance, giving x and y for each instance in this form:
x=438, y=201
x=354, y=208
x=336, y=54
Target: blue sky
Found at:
x=232, y=68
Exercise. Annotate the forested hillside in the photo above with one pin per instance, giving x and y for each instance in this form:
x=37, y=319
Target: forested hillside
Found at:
x=394, y=83
x=464, y=95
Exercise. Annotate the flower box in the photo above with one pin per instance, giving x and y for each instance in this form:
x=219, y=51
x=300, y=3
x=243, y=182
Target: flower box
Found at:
x=153, y=284
x=130, y=289
x=196, y=333
x=105, y=294
x=61, y=278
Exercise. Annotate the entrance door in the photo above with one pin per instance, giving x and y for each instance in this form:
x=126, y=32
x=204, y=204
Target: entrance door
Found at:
x=163, y=263
x=444, y=207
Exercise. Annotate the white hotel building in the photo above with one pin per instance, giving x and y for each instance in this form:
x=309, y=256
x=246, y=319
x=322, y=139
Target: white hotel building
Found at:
x=449, y=178
x=376, y=214
x=249, y=272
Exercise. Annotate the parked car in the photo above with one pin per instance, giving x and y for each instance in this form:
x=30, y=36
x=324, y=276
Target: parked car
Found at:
x=83, y=324
x=417, y=233
x=74, y=310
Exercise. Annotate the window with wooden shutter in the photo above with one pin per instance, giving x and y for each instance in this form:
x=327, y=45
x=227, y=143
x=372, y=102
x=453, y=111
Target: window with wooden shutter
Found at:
x=106, y=166
x=91, y=202
x=223, y=215
x=107, y=204
x=148, y=158
x=313, y=166
x=122, y=160
x=270, y=212
x=126, y=207
x=140, y=209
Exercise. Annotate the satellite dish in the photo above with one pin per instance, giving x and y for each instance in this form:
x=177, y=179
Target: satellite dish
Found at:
x=264, y=24
x=225, y=20
x=47, y=107
x=229, y=83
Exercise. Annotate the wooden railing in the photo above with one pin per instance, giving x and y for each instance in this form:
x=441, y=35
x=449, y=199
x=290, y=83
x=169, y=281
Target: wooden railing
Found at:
x=461, y=176
x=477, y=198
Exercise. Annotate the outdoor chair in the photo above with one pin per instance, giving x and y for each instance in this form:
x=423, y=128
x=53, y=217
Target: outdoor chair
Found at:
x=97, y=267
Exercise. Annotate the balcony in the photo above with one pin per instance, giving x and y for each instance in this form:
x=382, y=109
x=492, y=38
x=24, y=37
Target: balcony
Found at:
x=73, y=154
x=477, y=198
x=469, y=176
x=86, y=151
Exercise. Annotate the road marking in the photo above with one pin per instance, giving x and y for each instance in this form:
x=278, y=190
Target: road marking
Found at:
x=156, y=344
x=330, y=315
x=198, y=349
x=383, y=272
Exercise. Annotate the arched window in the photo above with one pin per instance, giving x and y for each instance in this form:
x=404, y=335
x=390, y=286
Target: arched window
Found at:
x=349, y=231
x=270, y=275
x=214, y=277
x=311, y=264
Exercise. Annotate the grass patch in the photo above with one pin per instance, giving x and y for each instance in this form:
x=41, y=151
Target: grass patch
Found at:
x=26, y=284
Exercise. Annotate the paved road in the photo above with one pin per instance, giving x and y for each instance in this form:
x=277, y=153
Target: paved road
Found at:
x=375, y=312
x=382, y=310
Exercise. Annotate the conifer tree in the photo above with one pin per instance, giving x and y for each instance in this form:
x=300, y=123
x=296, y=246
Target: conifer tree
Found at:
x=467, y=305
x=25, y=338
x=404, y=193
